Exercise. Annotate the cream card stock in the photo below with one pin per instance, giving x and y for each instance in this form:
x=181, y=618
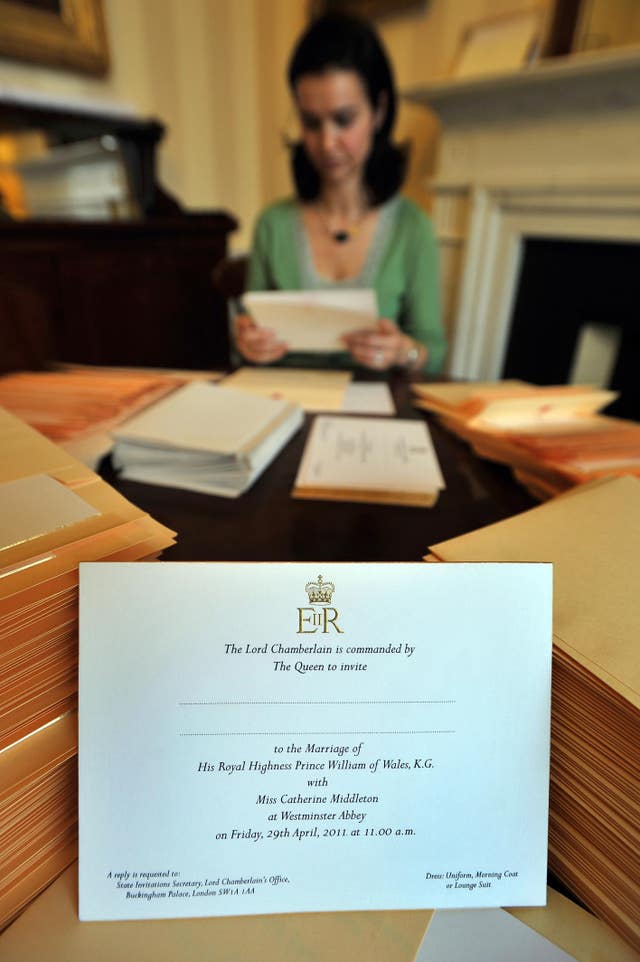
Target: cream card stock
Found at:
x=38, y=505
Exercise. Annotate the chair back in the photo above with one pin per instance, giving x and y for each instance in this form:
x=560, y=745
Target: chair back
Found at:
x=229, y=276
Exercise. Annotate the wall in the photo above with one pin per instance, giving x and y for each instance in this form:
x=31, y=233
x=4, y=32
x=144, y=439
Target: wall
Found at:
x=213, y=72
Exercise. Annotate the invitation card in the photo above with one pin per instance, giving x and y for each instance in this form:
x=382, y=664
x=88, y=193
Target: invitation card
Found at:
x=259, y=738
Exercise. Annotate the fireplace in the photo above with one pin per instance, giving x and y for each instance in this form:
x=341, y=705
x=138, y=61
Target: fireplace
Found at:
x=530, y=164
x=575, y=318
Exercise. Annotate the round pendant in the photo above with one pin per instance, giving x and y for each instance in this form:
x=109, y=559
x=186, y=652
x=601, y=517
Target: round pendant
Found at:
x=341, y=236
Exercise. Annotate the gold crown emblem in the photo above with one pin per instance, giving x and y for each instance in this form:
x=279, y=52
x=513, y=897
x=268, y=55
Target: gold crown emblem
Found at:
x=320, y=591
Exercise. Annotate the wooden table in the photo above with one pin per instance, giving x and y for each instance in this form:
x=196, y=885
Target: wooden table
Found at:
x=267, y=524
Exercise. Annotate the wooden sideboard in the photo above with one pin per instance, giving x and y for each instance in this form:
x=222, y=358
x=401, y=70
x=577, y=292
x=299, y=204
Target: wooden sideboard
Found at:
x=130, y=293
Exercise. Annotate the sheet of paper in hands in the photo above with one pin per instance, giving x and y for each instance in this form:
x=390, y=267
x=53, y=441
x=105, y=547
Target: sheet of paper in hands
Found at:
x=260, y=738
x=313, y=320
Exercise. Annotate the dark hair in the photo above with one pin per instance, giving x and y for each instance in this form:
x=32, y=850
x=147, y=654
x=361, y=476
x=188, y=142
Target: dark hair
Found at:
x=342, y=42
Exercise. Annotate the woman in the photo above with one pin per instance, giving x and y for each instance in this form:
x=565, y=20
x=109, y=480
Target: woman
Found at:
x=349, y=226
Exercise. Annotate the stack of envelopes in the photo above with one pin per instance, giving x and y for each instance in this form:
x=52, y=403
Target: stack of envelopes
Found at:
x=552, y=437
x=592, y=536
x=54, y=513
x=76, y=408
x=71, y=404
x=205, y=438
x=38, y=812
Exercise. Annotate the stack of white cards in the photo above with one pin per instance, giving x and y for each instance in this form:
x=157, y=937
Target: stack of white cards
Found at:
x=369, y=460
x=592, y=535
x=205, y=438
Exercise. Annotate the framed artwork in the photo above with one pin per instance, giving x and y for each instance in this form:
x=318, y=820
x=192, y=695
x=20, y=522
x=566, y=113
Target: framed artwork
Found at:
x=366, y=8
x=580, y=25
x=498, y=44
x=56, y=33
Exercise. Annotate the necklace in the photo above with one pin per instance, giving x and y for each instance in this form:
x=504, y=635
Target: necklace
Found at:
x=342, y=236
x=344, y=233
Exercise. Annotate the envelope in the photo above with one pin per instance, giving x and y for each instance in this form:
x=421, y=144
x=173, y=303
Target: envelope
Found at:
x=313, y=321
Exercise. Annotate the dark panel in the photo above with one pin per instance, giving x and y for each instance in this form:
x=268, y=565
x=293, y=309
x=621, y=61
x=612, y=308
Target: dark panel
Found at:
x=563, y=286
x=28, y=310
x=114, y=293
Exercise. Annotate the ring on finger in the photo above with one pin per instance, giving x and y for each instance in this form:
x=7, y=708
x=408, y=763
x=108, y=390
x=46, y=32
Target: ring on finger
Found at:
x=378, y=358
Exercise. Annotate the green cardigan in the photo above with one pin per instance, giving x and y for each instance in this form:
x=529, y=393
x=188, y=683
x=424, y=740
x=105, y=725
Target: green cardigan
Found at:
x=402, y=266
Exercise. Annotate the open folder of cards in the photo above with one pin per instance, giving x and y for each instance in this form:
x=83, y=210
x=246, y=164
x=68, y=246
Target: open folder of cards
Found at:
x=313, y=320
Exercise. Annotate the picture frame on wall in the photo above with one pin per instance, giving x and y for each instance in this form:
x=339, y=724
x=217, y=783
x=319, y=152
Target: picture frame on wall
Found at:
x=368, y=9
x=499, y=44
x=68, y=34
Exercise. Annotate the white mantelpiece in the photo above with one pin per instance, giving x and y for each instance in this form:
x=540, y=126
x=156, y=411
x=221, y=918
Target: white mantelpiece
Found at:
x=552, y=151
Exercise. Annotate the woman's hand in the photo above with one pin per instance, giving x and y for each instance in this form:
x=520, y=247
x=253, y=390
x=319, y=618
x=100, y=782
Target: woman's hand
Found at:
x=257, y=344
x=384, y=346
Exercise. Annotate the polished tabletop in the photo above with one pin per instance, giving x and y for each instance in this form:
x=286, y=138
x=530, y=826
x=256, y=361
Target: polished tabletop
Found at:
x=267, y=524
